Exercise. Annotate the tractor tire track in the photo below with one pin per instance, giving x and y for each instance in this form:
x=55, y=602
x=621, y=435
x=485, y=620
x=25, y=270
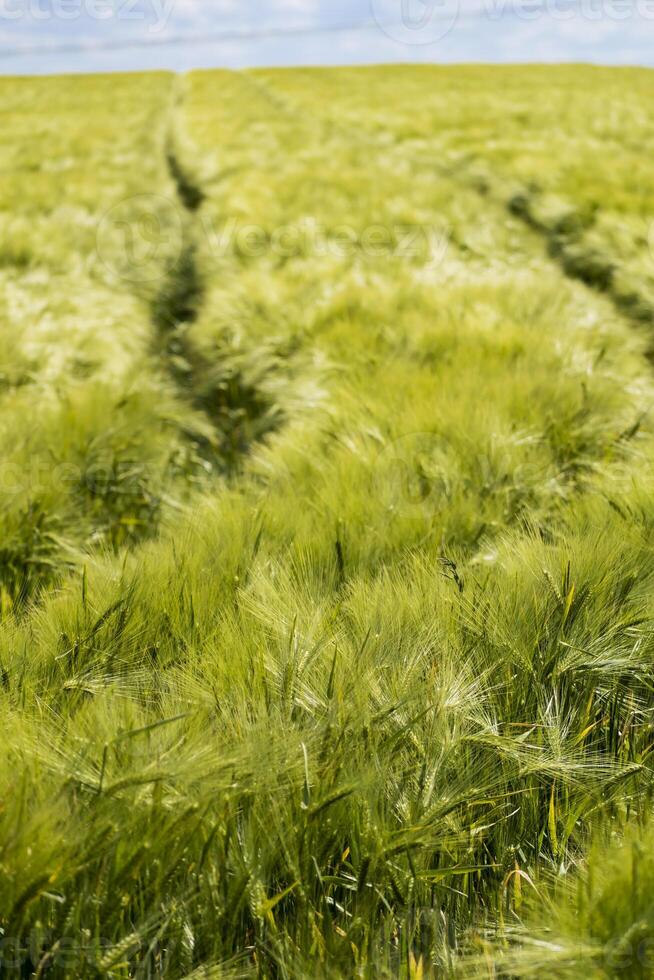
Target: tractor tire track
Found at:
x=238, y=413
x=584, y=263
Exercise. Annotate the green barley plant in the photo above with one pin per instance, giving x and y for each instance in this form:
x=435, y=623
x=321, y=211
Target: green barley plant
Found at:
x=326, y=576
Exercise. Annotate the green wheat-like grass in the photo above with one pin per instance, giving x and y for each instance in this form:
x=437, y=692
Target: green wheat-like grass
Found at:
x=326, y=575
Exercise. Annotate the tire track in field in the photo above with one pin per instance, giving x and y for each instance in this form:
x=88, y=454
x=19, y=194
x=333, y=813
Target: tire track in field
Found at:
x=584, y=263
x=565, y=244
x=238, y=414
x=563, y=237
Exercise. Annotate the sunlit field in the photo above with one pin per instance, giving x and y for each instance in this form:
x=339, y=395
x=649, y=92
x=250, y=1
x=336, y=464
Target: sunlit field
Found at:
x=327, y=524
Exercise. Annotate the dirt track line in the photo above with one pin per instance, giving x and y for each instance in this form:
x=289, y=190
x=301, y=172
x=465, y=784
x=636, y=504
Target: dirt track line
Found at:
x=585, y=263
x=238, y=414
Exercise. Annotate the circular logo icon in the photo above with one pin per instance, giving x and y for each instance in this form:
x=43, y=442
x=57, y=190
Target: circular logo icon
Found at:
x=141, y=238
x=413, y=474
x=416, y=21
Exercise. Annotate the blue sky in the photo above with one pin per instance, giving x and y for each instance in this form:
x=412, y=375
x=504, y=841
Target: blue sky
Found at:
x=88, y=35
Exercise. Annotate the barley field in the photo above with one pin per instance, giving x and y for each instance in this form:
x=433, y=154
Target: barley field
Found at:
x=327, y=524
